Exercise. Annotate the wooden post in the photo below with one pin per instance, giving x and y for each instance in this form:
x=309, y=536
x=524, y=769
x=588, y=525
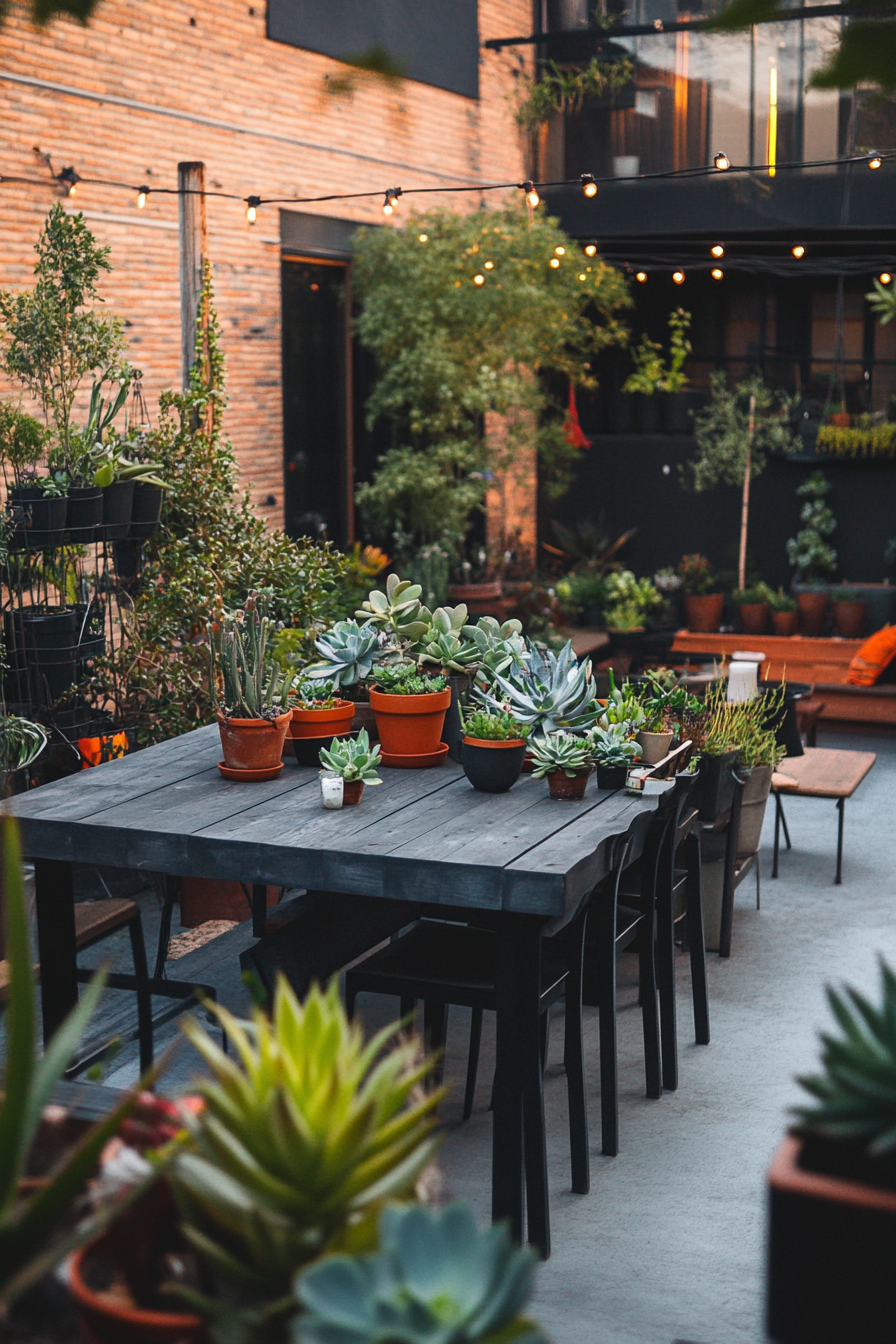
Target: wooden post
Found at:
x=745, y=500
x=193, y=251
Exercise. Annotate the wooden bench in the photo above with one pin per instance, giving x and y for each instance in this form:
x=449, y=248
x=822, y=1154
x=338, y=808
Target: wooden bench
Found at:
x=820, y=773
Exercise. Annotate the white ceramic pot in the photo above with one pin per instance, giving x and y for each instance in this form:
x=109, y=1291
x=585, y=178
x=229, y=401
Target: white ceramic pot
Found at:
x=654, y=746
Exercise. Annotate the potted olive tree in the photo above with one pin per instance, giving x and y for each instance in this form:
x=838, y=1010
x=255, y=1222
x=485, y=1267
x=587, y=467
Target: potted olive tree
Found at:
x=251, y=693
x=813, y=559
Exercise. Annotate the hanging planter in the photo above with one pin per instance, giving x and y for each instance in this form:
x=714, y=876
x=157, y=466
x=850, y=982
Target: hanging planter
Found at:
x=40, y=519
x=146, y=511
x=84, y=513
x=118, y=504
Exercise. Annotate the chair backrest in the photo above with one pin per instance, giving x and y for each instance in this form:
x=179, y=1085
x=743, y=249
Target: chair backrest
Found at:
x=658, y=860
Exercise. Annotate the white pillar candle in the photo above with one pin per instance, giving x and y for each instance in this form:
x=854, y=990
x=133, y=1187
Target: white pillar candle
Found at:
x=331, y=791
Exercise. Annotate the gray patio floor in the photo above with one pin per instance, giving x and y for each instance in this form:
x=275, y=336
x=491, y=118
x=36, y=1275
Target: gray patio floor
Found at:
x=669, y=1243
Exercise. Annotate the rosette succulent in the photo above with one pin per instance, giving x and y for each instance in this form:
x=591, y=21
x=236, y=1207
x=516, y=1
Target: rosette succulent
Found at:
x=612, y=747
x=347, y=653
x=560, y=751
x=500, y=649
x=622, y=707
x=352, y=758
x=436, y=1279
x=552, y=692
x=397, y=610
x=444, y=642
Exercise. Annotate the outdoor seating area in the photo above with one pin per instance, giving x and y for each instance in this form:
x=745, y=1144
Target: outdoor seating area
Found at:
x=447, y=673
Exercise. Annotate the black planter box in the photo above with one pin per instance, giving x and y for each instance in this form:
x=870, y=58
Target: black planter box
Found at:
x=714, y=792
x=146, y=511
x=118, y=504
x=611, y=776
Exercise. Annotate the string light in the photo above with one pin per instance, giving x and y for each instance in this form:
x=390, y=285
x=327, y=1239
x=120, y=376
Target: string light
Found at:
x=252, y=204
x=560, y=251
x=478, y=279
x=798, y=251
x=489, y=265
x=716, y=273
x=722, y=162
x=532, y=197
x=141, y=197
x=717, y=251
x=875, y=161
x=885, y=277
x=641, y=277
x=390, y=204
x=70, y=179
x=589, y=186
x=590, y=249
x=555, y=262
x=582, y=276
x=772, y=135
x=678, y=277
x=422, y=237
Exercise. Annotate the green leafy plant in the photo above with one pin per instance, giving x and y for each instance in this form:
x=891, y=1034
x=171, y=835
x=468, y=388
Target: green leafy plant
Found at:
x=862, y=441
x=311, y=695
x=844, y=594
x=581, y=594
x=613, y=747
x=404, y=679
x=553, y=692
x=758, y=592
x=559, y=751
x=809, y=553
x=628, y=600
x=589, y=545
x=21, y=742
x=23, y=441
x=697, y=575
x=623, y=707
x=348, y=651
x=245, y=681
x=855, y=1095
x=781, y=601
x=882, y=301
x=500, y=727
x=398, y=610
x=352, y=758
x=648, y=359
x=651, y=373
x=303, y=1138
x=560, y=88
x=436, y=1279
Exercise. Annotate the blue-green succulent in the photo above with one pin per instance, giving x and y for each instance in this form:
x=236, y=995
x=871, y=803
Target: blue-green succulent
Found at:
x=553, y=692
x=347, y=653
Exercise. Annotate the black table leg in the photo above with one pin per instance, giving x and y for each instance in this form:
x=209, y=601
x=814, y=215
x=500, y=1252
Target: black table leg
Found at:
x=57, y=950
x=838, y=880
x=259, y=909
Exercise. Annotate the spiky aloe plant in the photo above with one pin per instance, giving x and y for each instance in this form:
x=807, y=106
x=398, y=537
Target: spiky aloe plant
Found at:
x=298, y=1147
x=436, y=1279
x=559, y=751
x=397, y=610
x=855, y=1096
x=348, y=651
x=553, y=692
x=245, y=681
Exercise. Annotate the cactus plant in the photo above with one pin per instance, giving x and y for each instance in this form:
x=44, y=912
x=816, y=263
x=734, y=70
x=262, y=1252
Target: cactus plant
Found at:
x=622, y=707
x=436, y=1279
x=244, y=681
x=559, y=751
x=348, y=652
x=553, y=692
x=398, y=610
x=353, y=758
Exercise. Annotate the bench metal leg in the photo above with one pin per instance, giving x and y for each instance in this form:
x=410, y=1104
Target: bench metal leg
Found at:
x=838, y=880
x=777, y=833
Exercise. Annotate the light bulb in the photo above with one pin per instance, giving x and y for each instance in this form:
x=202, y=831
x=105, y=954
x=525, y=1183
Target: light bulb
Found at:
x=423, y=238
x=583, y=276
x=489, y=265
x=554, y=262
x=532, y=197
x=70, y=179
x=589, y=186
x=252, y=204
x=718, y=250
x=590, y=249
x=798, y=251
x=716, y=273
x=390, y=204
x=560, y=251
x=641, y=277
x=678, y=277
x=478, y=279
x=141, y=197
x=875, y=161
x=885, y=277
x=722, y=162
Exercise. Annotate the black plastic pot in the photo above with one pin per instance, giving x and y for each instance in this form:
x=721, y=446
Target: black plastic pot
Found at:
x=90, y=633
x=307, y=749
x=146, y=512
x=118, y=503
x=492, y=767
x=452, y=732
x=85, y=513
x=40, y=519
x=787, y=732
x=714, y=791
x=648, y=411
x=611, y=776
x=42, y=653
x=126, y=556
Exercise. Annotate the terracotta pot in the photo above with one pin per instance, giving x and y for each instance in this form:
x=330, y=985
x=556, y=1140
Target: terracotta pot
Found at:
x=319, y=722
x=253, y=744
x=654, y=746
x=203, y=898
x=753, y=617
x=813, y=608
x=410, y=725
x=754, y=801
x=480, y=599
x=528, y=764
x=785, y=622
x=842, y=419
x=831, y=1250
x=703, y=612
x=108, y=747
x=351, y=791
x=562, y=786
x=849, y=618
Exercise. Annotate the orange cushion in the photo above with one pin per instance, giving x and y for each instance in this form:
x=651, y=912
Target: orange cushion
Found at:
x=876, y=653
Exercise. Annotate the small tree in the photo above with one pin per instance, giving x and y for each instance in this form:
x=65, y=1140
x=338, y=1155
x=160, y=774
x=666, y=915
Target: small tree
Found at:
x=735, y=435
x=809, y=553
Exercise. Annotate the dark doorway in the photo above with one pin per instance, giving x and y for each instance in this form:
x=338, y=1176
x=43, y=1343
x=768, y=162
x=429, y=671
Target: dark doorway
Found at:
x=316, y=425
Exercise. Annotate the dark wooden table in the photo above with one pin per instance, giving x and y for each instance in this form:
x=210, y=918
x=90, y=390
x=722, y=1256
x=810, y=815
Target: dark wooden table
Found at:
x=423, y=836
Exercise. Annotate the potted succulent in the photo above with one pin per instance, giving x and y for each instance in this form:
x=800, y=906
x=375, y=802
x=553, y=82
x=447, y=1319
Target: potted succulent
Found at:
x=655, y=736
x=753, y=606
x=250, y=692
x=566, y=761
x=494, y=746
x=548, y=693
x=355, y=761
x=446, y=644
x=316, y=714
x=348, y=651
x=832, y=1186
x=703, y=602
x=811, y=555
x=849, y=612
x=410, y=709
x=784, y=613
x=614, y=752
x=628, y=601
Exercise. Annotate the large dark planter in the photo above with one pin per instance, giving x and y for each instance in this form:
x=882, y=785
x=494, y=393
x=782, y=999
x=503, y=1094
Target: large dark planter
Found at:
x=831, y=1252
x=85, y=513
x=621, y=413
x=703, y=612
x=813, y=609
x=611, y=776
x=648, y=413
x=307, y=749
x=493, y=767
x=41, y=653
x=40, y=519
x=118, y=503
x=714, y=791
x=754, y=801
x=146, y=511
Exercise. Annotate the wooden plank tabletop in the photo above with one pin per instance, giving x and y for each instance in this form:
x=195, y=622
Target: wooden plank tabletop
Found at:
x=823, y=772
x=423, y=835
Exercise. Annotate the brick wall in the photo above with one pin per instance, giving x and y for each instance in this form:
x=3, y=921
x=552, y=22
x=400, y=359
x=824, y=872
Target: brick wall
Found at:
x=257, y=114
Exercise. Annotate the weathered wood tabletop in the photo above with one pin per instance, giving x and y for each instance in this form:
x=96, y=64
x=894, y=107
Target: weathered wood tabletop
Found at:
x=423, y=836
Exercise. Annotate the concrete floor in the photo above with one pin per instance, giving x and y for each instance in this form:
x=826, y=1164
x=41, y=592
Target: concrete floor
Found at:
x=669, y=1243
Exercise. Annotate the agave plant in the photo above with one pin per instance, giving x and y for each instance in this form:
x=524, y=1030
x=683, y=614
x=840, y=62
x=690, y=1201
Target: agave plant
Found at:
x=397, y=610
x=559, y=751
x=553, y=692
x=855, y=1096
x=348, y=651
x=297, y=1149
x=254, y=687
x=500, y=649
x=613, y=747
x=353, y=758
x=436, y=1279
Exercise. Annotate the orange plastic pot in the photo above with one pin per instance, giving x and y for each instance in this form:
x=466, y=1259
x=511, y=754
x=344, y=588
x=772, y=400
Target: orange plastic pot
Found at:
x=410, y=725
x=319, y=722
x=97, y=750
x=703, y=612
x=253, y=744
